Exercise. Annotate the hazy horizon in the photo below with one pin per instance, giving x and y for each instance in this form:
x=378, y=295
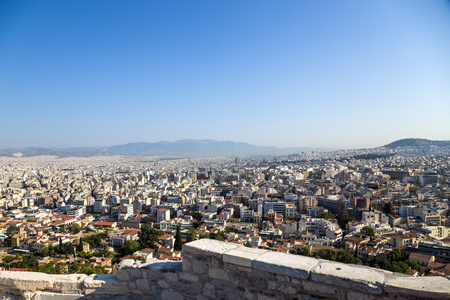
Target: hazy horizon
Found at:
x=335, y=75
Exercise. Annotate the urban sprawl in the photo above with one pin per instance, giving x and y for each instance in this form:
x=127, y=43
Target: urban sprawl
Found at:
x=385, y=208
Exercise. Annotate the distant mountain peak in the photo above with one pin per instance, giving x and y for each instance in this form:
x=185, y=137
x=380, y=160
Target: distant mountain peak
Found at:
x=417, y=142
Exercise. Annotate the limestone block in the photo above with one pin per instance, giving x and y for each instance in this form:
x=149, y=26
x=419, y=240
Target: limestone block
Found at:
x=106, y=284
x=163, y=284
x=219, y=274
x=199, y=267
x=282, y=288
x=423, y=287
x=56, y=296
x=208, y=247
x=209, y=290
x=188, y=277
x=242, y=256
x=142, y=285
x=171, y=277
x=285, y=264
x=186, y=265
x=359, y=296
x=320, y=288
x=122, y=275
x=135, y=273
x=167, y=295
x=69, y=283
x=349, y=276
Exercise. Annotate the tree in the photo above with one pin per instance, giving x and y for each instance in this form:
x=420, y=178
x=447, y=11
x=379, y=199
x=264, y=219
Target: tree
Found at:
x=368, y=230
x=219, y=237
x=305, y=251
x=192, y=235
x=75, y=228
x=44, y=251
x=178, y=242
x=148, y=236
x=129, y=247
x=12, y=231
x=387, y=208
x=328, y=254
x=248, y=245
x=328, y=215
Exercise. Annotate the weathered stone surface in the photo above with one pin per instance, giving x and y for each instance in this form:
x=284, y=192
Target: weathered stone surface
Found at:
x=171, y=277
x=71, y=284
x=27, y=281
x=122, y=275
x=425, y=287
x=126, y=263
x=285, y=264
x=316, y=287
x=209, y=290
x=142, y=284
x=163, y=284
x=349, y=276
x=208, y=247
x=218, y=274
x=242, y=256
x=281, y=287
x=106, y=284
x=359, y=296
x=199, y=267
x=188, y=277
x=168, y=295
x=186, y=265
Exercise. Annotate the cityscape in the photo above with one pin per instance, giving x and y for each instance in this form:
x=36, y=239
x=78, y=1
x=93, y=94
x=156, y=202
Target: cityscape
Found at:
x=385, y=207
x=231, y=150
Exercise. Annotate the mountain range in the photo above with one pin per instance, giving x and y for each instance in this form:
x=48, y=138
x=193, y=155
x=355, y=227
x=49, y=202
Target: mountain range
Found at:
x=179, y=148
x=188, y=147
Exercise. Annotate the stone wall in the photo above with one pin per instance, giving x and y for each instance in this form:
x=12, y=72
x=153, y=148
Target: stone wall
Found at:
x=218, y=270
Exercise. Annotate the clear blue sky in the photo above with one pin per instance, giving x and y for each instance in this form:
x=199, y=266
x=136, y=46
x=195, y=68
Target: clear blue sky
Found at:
x=334, y=74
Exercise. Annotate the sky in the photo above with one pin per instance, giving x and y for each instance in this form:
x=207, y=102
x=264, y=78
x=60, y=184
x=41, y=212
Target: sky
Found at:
x=329, y=74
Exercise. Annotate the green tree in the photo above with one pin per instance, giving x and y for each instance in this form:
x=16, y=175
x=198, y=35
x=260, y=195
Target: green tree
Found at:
x=328, y=215
x=12, y=231
x=192, y=235
x=44, y=251
x=328, y=254
x=368, y=230
x=248, y=245
x=305, y=251
x=8, y=259
x=148, y=236
x=219, y=237
x=178, y=242
x=75, y=228
x=129, y=247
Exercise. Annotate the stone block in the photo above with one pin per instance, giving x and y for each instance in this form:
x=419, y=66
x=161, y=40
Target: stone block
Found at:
x=71, y=284
x=168, y=295
x=188, y=277
x=420, y=287
x=208, y=247
x=219, y=274
x=242, y=256
x=171, y=277
x=320, y=288
x=55, y=296
x=209, y=290
x=105, y=284
x=281, y=287
x=285, y=264
x=349, y=276
x=122, y=275
x=186, y=265
x=163, y=284
x=199, y=267
x=142, y=284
